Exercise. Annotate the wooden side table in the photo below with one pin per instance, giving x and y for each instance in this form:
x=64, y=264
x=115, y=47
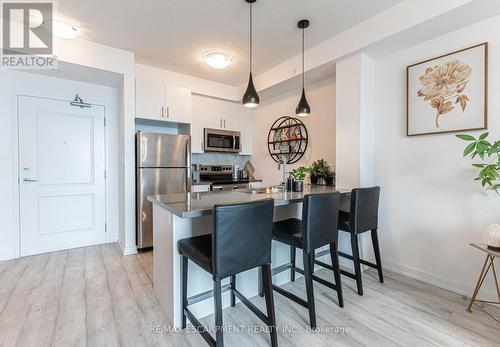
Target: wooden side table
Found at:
x=489, y=263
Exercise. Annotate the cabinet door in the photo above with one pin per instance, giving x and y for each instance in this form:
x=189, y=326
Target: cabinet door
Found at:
x=246, y=128
x=149, y=99
x=178, y=104
x=231, y=115
x=205, y=115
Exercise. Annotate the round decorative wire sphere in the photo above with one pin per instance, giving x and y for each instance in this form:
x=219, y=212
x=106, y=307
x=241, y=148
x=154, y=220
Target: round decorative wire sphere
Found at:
x=287, y=140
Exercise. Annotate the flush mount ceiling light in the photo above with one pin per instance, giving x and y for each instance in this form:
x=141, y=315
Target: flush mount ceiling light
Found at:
x=63, y=29
x=250, y=98
x=218, y=60
x=303, y=109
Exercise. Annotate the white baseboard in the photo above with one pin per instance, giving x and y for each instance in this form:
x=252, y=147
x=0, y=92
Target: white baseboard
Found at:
x=127, y=250
x=6, y=255
x=434, y=280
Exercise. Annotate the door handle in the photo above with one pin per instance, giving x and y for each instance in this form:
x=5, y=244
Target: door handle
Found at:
x=224, y=124
x=29, y=179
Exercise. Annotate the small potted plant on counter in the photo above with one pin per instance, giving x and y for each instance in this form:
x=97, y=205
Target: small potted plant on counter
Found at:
x=321, y=173
x=299, y=174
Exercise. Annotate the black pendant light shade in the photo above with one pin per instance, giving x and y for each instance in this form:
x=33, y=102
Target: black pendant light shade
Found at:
x=251, y=98
x=303, y=109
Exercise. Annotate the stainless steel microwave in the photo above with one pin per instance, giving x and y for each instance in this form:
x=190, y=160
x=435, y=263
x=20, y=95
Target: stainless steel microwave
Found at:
x=217, y=140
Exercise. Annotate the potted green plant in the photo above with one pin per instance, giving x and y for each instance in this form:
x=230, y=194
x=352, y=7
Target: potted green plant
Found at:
x=489, y=174
x=489, y=152
x=299, y=174
x=321, y=173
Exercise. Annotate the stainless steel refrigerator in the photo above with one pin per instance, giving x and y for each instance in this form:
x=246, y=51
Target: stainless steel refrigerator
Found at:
x=163, y=165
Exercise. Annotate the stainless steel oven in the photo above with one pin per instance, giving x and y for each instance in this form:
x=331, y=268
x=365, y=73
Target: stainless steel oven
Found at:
x=216, y=140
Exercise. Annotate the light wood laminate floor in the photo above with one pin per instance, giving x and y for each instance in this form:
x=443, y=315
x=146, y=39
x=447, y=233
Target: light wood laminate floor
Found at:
x=93, y=296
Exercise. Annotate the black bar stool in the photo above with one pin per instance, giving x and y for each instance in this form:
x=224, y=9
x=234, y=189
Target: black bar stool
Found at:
x=363, y=217
x=241, y=241
x=317, y=228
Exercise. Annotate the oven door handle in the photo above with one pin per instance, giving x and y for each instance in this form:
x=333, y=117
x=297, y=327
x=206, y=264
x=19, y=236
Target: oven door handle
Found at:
x=234, y=142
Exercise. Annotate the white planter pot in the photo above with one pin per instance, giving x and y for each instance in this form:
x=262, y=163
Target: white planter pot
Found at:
x=493, y=237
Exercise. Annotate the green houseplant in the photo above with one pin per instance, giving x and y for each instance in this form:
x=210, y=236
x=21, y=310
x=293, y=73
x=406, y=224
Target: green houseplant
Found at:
x=321, y=170
x=489, y=152
x=299, y=174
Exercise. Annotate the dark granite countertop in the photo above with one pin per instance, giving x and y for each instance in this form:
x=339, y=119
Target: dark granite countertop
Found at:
x=189, y=205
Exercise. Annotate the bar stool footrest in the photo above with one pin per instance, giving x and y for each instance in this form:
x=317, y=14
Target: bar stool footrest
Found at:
x=252, y=307
x=291, y=296
x=206, y=295
x=364, y=262
x=200, y=328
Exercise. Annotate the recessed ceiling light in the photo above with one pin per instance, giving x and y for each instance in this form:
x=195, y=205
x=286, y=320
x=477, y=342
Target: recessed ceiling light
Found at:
x=218, y=60
x=63, y=29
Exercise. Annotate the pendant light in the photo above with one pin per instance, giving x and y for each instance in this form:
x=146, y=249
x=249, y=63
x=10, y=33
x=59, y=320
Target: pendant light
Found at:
x=303, y=109
x=250, y=98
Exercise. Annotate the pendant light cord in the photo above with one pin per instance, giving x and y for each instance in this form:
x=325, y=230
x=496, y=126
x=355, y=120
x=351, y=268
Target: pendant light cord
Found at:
x=303, y=78
x=251, y=37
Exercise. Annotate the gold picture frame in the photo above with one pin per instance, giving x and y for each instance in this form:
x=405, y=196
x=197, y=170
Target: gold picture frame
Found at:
x=448, y=93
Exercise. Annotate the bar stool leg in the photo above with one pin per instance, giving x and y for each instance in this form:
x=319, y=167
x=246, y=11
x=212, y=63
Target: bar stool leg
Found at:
x=268, y=290
x=357, y=264
x=292, y=260
x=336, y=273
x=376, y=250
x=233, y=287
x=219, y=339
x=184, y=272
x=308, y=269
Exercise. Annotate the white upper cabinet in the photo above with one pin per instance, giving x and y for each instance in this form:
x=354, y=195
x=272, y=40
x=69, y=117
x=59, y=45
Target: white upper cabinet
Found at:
x=149, y=99
x=219, y=114
x=231, y=115
x=246, y=128
x=158, y=101
x=177, y=104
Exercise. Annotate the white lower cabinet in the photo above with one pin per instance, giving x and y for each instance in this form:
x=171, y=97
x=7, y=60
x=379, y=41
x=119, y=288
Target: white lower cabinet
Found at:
x=256, y=184
x=200, y=188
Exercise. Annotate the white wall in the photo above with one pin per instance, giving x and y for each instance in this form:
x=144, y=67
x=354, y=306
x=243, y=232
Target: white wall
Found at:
x=431, y=209
x=320, y=125
x=197, y=85
x=13, y=83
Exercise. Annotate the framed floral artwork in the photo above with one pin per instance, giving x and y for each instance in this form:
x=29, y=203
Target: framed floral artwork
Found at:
x=448, y=93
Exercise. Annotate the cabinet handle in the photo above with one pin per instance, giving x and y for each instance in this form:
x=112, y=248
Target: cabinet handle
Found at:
x=168, y=112
x=162, y=112
x=224, y=124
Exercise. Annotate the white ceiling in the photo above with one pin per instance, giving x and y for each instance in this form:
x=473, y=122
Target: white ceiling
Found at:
x=175, y=34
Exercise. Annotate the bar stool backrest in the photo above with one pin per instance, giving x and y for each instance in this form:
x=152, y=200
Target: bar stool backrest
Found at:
x=320, y=213
x=241, y=238
x=364, y=209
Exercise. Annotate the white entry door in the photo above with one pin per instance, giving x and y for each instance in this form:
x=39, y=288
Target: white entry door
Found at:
x=62, y=179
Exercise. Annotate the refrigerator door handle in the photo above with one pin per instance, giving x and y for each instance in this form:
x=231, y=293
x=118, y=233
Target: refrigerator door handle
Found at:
x=188, y=165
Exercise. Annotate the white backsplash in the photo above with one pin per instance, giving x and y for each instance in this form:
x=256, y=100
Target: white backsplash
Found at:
x=220, y=159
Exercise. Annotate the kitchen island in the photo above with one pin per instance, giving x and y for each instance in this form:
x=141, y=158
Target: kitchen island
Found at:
x=178, y=216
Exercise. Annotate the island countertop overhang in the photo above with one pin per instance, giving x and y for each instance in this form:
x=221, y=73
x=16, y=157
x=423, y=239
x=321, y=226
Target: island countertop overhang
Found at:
x=192, y=205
